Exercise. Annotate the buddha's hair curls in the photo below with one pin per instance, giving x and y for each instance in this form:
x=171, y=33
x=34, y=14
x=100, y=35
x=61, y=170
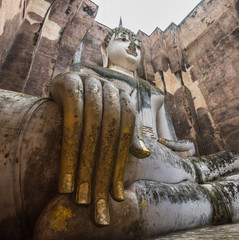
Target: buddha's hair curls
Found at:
x=117, y=31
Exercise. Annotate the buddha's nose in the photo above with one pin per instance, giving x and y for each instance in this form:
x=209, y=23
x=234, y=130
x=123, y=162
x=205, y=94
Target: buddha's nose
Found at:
x=132, y=46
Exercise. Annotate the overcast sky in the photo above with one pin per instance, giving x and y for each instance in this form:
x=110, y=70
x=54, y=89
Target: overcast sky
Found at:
x=143, y=15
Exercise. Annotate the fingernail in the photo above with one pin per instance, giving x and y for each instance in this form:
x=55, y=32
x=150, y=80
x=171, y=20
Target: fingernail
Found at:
x=162, y=141
x=141, y=151
x=102, y=215
x=66, y=185
x=119, y=191
x=83, y=194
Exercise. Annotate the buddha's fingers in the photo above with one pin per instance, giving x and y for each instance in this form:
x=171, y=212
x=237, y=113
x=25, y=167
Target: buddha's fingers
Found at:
x=138, y=147
x=67, y=90
x=104, y=164
x=92, y=124
x=125, y=137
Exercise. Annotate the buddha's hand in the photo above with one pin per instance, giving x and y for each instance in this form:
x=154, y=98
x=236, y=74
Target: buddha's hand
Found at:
x=99, y=125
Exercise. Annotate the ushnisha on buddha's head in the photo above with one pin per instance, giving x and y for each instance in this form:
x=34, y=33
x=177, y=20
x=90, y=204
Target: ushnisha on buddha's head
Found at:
x=121, y=50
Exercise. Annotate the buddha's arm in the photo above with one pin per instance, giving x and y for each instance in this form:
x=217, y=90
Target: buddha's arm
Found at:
x=162, y=122
x=165, y=129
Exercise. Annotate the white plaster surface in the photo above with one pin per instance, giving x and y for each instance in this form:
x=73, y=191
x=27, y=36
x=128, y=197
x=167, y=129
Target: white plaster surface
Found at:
x=167, y=217
x=38, y=7
x=162, y=165
x=172, y=207
x=198, y=98
x=222, y=232
x=158, y=81
x=31, y=21
x=51, y=30
x=172, y=82
x=118, y=57
x=9, y=9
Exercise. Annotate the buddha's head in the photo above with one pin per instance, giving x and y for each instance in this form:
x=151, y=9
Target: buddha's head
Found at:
x=121, y=48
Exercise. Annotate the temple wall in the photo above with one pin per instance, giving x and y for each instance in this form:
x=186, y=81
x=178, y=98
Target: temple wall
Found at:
x=11, y=16
x=89, y=50
x=45, y=43
x=212, y=60
x=201, y=55
x=212, y=64
x=194, y=63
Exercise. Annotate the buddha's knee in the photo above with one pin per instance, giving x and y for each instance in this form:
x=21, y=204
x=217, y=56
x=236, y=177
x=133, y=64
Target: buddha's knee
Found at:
x=64, y=219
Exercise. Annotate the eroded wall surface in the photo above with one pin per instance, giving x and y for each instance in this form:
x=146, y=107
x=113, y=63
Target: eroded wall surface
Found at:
x=11, y=16
x=206, y=64
x=194, y=63
x=212, y=71
x=45, y=43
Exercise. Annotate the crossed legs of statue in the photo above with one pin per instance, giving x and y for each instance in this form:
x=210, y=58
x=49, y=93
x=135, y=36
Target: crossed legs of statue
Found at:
x=150, y=208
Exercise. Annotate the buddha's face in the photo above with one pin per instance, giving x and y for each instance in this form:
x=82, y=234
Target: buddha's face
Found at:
x=124, y=51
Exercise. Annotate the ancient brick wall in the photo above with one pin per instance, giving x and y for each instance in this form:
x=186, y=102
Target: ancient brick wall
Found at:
x=11, y=17
x=89, y=50
x=211, y=53
x=45, y=43
x=201, y=56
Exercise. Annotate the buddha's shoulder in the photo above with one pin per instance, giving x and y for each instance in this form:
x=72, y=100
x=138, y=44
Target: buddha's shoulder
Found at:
x=106, y=73
x=103, y=73
x=150, y=87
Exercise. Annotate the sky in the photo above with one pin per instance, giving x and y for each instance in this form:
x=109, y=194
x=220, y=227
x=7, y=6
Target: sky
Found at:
x=144, y=15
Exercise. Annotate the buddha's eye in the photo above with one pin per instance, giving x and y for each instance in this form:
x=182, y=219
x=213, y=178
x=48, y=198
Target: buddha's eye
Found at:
x=124, y=37
x=137, y=44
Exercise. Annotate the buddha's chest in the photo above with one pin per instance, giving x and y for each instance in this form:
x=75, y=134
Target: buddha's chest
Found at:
x=142, y=102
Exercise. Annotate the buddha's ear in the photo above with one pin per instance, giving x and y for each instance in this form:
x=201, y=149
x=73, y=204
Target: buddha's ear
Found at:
x=104, y=55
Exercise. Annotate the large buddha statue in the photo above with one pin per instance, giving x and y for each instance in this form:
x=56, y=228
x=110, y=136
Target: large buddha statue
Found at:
x=122, y=172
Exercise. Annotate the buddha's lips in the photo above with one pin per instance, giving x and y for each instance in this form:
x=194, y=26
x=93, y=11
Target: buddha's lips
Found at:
x=132, y=52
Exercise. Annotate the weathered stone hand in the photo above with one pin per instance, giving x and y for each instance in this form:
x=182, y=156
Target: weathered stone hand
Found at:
x=99, y=123
x=185, y=148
